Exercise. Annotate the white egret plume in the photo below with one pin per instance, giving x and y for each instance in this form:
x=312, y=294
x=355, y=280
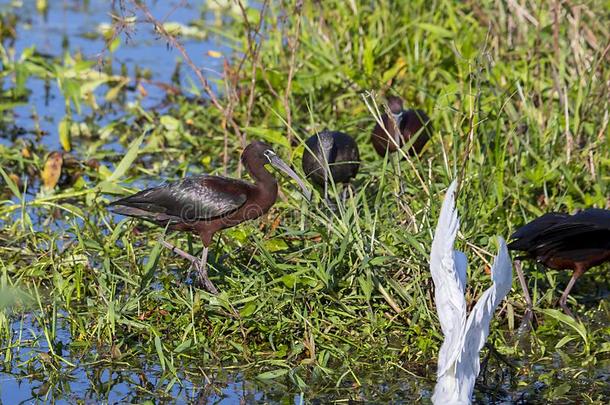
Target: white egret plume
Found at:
x=458, y=359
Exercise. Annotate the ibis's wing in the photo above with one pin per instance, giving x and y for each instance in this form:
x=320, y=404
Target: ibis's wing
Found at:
x=588, y=228
x=190, y=199
x=598, y=216
x=477, y=326
x=571, y=235
x=449, y=281
x=524, y=238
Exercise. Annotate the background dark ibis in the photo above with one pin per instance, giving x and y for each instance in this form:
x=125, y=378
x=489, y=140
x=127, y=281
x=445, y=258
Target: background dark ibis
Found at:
x=399, y=127
x=566, y=242
x=330, y=154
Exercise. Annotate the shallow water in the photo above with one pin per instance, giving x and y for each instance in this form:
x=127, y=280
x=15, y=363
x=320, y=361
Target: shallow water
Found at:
x=112, y=383
x=88, y=377
x=74, y=24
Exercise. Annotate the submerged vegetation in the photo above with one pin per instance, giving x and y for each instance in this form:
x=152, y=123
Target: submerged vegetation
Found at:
x=315, y=301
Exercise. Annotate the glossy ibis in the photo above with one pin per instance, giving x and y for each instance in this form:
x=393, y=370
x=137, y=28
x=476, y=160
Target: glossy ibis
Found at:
x=565, y=242
x=205, y=204
x=330, y=153
x=399, y=127
x=458, y=359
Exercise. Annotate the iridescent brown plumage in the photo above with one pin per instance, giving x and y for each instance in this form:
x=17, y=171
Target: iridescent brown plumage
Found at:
x=399, y=127
x=205, y=204
x=566, y=242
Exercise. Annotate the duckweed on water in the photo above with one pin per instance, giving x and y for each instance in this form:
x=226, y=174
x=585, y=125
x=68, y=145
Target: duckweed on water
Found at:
x=316, y=304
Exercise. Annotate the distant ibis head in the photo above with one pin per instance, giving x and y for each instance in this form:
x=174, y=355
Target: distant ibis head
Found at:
x=330, y=154
x=396, y=107
x=257, y=154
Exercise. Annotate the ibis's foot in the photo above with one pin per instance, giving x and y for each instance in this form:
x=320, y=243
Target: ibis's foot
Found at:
x=204, y=281
x=202, y=272
x=526, y=323
x=346, y=193
x=565, y=308
x=331, y=204
x=200, y=265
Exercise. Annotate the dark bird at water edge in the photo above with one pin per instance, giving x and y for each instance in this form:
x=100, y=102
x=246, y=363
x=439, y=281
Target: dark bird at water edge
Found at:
x=205, y=204
x=565, y=242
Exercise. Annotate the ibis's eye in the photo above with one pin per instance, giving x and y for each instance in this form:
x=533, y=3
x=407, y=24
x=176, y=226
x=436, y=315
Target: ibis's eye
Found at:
x=269, y=154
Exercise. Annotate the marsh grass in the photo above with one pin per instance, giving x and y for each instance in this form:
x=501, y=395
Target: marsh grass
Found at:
x=312, y=296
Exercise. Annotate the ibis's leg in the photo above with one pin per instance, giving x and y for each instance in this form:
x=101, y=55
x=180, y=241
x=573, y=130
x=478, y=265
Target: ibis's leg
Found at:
x=564, y=297
x=399, y=173
x=345, y=193
x=527, y=316
x=200, y=265
x=327, y=200
x=180, y=252
x=202, y=271
x=331, y=204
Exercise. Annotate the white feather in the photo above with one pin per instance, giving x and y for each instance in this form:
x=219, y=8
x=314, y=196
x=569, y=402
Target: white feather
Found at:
x=458, y=359
x=447, y=277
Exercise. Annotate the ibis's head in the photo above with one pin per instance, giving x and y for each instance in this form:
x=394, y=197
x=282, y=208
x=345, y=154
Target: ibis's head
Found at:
x=396, y=107
x=395, y=104
x=258, y=154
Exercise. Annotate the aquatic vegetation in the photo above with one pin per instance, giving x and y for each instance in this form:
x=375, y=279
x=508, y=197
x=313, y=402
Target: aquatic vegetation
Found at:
x=314, y=302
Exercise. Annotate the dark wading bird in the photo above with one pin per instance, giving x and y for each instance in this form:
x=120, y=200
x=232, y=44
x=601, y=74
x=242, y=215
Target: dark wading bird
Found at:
x=330, y=154
x=399, y=127
x=565, y=242
x=205, y=204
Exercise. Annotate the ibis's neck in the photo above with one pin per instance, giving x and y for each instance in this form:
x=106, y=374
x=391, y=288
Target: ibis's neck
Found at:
x=396, y=132
x=397, y=117
x=325, y=156
x=261, y=176
x=266, y=188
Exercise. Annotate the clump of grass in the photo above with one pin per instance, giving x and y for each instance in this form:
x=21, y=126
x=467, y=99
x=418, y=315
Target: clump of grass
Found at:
x=311, y=296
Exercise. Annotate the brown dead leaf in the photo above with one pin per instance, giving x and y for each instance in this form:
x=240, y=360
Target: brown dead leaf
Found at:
x=487, y=270
x=142, y=90
x=276, y=223
x=25, y=152
x=150, y=312
x=92, y=163
x=115, y=352
x=70, y=161
x=52, y=170
x=542, y=201
x=16, y=179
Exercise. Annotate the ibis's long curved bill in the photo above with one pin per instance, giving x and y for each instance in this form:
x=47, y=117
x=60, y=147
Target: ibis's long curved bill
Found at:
x=281, y=165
